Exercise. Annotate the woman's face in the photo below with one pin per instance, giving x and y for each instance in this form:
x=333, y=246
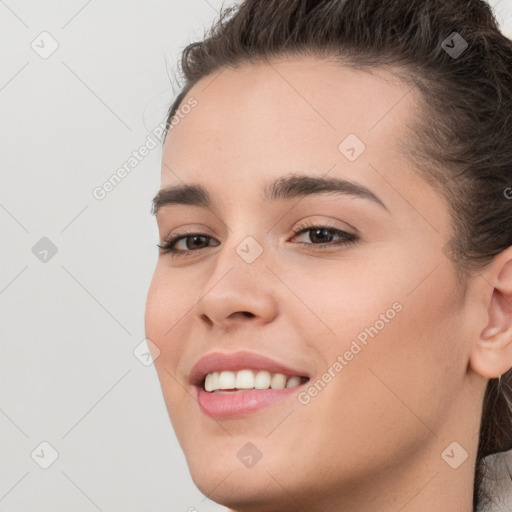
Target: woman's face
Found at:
x=374, y=323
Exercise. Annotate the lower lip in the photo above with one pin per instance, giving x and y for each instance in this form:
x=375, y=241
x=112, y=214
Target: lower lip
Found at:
x=240, y=403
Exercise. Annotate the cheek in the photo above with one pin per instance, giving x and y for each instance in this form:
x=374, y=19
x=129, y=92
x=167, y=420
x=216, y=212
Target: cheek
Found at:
x=166, y=329
x=167, y=306
x=414, y=360
x=399, y=363
x=339, y=299
x=168, y=313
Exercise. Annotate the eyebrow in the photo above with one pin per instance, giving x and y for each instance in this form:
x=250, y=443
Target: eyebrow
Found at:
x=285, y=187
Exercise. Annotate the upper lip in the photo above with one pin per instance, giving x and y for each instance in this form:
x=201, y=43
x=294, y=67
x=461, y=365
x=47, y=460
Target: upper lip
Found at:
x=233, y=361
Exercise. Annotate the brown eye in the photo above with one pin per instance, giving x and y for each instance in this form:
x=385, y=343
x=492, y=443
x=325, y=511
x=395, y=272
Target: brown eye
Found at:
x=321, y=236
x=193, y=242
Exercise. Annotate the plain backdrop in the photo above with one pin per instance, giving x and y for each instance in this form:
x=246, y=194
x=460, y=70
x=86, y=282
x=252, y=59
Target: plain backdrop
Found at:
x=83, y=425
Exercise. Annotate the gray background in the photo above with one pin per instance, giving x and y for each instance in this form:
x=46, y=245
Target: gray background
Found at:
x=69, y=324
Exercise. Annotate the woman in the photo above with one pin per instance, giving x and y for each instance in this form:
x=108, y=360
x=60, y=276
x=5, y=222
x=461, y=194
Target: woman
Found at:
x=331, y=309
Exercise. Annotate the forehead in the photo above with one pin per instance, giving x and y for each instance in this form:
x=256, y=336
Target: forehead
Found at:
x=289, y=112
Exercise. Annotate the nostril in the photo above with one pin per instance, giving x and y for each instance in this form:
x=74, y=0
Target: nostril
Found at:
x=246, y=314
x=206, y=319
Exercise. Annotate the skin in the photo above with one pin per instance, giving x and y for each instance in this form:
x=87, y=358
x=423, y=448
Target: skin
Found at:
x=373, y=438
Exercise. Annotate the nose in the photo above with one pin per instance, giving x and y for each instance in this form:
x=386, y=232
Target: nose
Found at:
x=238, y=292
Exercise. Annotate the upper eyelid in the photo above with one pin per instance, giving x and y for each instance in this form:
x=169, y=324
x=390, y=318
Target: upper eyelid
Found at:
x=301, y=226
x=311, y=223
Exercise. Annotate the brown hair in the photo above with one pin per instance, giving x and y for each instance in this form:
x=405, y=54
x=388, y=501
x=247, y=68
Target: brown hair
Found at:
x=461, y=141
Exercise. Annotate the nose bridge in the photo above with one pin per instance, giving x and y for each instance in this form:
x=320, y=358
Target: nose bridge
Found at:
x=242, y=259
x=239, y=281
x=245, y=239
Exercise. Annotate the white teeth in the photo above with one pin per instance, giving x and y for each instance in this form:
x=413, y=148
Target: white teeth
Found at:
x=293, y=382
x=249, y=379
x=212, y=381
x=208, y=382
x=278, y=381
x=226, y=380
x=244, y=379
x=262, y=380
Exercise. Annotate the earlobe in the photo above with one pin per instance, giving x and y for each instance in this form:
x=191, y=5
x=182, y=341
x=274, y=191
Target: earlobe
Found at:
x=492, y=352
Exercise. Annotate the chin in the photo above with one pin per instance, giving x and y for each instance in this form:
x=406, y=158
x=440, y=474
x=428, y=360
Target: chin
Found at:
x=238, y=487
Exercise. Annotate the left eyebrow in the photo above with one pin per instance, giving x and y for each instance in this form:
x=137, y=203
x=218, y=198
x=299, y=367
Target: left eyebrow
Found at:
x=283, y=188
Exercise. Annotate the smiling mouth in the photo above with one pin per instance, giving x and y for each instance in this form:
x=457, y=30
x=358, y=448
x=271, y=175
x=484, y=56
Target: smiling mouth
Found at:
x=232, y=385
x=221, y=382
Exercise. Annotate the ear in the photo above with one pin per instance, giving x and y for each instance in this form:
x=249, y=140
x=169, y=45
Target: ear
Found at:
x=491, y=354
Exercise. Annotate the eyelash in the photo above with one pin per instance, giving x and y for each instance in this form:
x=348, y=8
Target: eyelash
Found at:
x=347, y=239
